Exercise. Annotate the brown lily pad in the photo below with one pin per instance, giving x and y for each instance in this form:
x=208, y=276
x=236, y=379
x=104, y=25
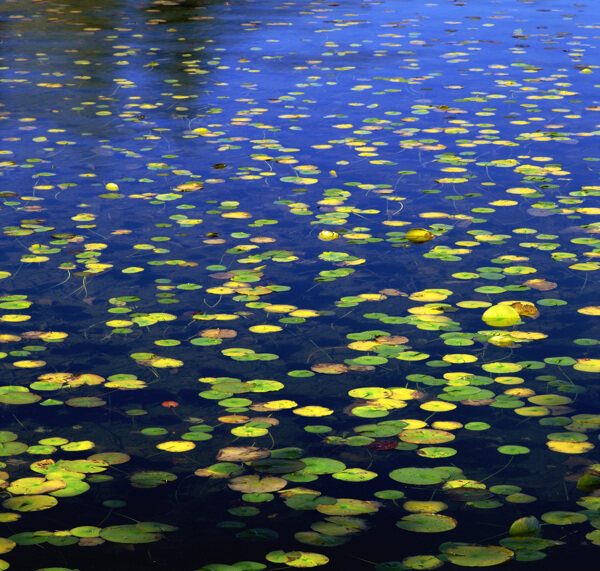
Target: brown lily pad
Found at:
x=242, y=454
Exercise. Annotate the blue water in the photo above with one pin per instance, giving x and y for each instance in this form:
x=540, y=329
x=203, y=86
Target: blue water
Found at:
x=176, y=175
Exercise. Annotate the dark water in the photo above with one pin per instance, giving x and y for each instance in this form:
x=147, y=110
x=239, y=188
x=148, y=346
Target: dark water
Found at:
x=205, y=210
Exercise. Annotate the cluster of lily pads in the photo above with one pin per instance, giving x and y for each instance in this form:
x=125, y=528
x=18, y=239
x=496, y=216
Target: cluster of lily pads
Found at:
x=379, y=284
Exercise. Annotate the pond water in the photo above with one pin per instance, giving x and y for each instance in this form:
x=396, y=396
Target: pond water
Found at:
x=299, y=284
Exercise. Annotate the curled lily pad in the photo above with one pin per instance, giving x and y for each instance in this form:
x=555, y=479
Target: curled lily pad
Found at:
x=524, y=527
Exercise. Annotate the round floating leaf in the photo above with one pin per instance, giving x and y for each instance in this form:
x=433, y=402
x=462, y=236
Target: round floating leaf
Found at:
x=6, y=545
x=370, y=393
x=85, y=402
x=389, y=494
x=355, y=475
x=29, y=364
x=329, y=368
x=513, y=449
x=569, y=447
x=78, y=446
x=18, y=397
x=421, y=562
x=477, y=425
x=278, y=466
x=246, y=431
x=320, y=539
x=176, y=446
x=318, y=466
x=82, y=466
x=437, y=406
x=426, y=523
x=129, y=534
x=369, y=411
x=111, y=458
x=505, y=489
x=36, y=485
x=436, y=452
x=520, y=498
x=255, y=484
x=7, y=436
x=29, y=503
x=73, y=488
x=550, y=400
x=472, y=555
x=587, y=365
x=563, y=517
x=313, y=411
x=297, y=558
x=154, y=431
x=368, y=360
x=418, y=476
x=428, y=507
x=86, y=531
x=12, y=448
x=348, y=507
x=426, y=436
x=502, y=367
x=245, y=454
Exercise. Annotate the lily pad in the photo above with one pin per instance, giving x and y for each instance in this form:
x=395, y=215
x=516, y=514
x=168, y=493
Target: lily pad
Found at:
x=472, y=555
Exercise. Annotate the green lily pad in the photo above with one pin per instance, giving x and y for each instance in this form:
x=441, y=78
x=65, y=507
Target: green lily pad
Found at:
x=319, y=466
x=297, y=558
x=418, y=476
x=564, y=517
x=129, y=533
x=427, y=523
x=472, y=555
x=30, y=503
x=355, y=475
x=513, y=449
x=12, y=448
